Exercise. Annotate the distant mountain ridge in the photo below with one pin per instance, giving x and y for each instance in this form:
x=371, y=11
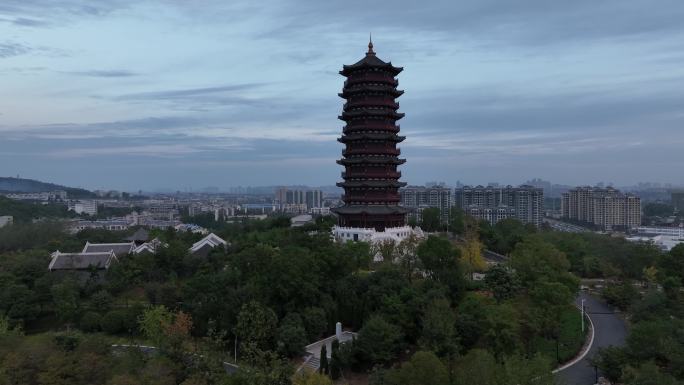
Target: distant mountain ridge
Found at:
x=10, y=184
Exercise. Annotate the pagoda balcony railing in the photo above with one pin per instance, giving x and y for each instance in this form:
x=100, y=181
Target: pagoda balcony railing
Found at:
x=372, y=126
x=371, y=79
x=367, y=174
x=372, y=151
x=371, y=102
x=370, y=199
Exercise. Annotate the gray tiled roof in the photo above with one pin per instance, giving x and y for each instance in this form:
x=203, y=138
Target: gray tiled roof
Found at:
x=120, y=249
x=79, y=261
x=141, y=235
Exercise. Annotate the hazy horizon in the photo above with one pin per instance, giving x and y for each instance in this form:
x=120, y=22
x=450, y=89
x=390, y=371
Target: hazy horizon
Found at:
x=131, y=95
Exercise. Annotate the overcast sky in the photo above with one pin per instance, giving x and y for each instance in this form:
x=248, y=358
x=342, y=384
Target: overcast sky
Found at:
x=181, y=94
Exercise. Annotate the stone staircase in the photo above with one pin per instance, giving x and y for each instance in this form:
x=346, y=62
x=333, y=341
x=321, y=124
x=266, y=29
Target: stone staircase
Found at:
x=312, y=364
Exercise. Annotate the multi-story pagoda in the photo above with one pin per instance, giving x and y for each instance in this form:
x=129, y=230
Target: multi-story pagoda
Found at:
x=371, y=184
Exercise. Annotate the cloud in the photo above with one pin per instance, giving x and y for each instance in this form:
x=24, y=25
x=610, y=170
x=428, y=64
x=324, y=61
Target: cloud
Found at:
x=188, y=93
x=9, y=49
x=104, y=73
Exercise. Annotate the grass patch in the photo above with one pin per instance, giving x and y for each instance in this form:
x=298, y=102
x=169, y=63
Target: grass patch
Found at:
x=571, y=337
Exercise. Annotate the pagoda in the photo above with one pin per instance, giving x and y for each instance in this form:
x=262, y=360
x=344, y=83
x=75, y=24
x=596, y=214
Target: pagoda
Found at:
x=371, y=209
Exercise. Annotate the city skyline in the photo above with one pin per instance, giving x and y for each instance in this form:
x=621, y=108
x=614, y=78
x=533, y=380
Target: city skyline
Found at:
x=161, y=94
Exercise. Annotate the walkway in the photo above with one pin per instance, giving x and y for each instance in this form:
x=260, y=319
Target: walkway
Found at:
x=609, y=330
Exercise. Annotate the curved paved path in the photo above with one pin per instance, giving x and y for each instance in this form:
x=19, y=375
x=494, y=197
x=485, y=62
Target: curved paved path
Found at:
x=609, y=330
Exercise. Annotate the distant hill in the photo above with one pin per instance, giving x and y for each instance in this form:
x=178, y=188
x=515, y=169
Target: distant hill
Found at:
x=9, y=184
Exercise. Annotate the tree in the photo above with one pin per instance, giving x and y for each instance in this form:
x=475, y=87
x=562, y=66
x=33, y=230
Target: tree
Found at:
x=323, y=368
x=18, y=302
x=430, y=219
x=378, y=342
x=256, y=324
x=471, y=256
x=611, y=360
x=469, y=320
x=101, y=301
x=439, y=333
x=113, y=322
x=291, y=335
x=65, y=297
x=309, y=378
x=620, y=295
x=549, y=300
x=90, y=322
x=177, y=331
x=359, y=252
x=440, y=261
x=502, y=282
x=386, y=249
x=648, y=374
x=424, y=368
x=315, y=322
x=335, y=364
x=408, y=256
x=523, y=371
x=477, y=367
x=503, y=330
x=153, y=323
x=534, y=259
x=457, y=221
x=672, y=263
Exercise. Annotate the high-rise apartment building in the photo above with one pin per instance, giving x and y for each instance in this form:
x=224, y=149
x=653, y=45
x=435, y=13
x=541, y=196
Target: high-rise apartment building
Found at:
x=525, y=203
x=298, y=201
x=678, y=200
x=420, y=197
x=606, y=208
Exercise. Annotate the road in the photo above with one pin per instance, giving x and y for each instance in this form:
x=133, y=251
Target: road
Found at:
x=609, y=330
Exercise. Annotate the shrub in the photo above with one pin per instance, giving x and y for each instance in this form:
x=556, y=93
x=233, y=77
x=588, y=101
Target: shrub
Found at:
x=90, y=322
x=113, y=322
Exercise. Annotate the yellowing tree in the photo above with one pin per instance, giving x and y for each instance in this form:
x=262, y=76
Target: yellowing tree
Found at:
x=471, y=256
x=311, y=378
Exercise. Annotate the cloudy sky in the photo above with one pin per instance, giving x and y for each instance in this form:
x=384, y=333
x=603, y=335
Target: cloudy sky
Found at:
x=136, y=94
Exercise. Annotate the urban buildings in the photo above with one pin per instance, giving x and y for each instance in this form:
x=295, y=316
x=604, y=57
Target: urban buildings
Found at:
x=524, y=203
x=663, y=237
x=298, y=201
x=419, y=198
x=371, y=209
x=606, y=208
x=46, y=196
x=678, y=200
x=88, y=207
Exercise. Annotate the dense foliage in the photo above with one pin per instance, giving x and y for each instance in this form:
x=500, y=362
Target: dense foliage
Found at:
x=655, y=346
x=277, y=289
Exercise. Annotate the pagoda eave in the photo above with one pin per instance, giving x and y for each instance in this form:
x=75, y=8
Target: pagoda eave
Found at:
x=371, y=210
x=354, y=137
x=373, y=183
x=371, y=160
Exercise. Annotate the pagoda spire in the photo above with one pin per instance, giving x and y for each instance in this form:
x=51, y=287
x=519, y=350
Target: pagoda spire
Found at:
x=370, y=45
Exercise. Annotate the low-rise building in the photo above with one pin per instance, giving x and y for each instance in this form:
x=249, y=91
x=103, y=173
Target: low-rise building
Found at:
x=6, y=220
x=88, y=207
x=81, y=261
x=301, y=220
x=120, y=249
x=114, y=224
x=204, y=246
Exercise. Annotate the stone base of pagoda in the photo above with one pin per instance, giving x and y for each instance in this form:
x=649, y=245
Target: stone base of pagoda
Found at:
x=371, y=235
